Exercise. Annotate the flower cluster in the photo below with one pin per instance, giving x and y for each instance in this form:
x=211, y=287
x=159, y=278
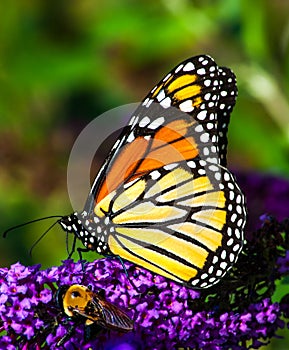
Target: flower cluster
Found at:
x=237, y=313
x=166, y=315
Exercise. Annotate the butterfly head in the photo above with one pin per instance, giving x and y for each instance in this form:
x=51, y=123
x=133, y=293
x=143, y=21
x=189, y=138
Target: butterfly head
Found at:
x=91, y=234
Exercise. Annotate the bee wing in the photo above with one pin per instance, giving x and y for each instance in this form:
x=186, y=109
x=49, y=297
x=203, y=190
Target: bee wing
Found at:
x=111, y=316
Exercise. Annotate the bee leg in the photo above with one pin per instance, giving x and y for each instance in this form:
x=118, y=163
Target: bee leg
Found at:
x=67, y=335
x=91, y=330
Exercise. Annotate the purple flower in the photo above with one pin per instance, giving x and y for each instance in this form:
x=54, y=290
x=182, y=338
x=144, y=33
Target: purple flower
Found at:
x=265, y=194
x=283, y=263
x=239, y=309
x=162, y=316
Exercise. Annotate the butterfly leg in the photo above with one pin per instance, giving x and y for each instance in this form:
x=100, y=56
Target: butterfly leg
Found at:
x=126, y=273
x=80, y=251
x=73, y=246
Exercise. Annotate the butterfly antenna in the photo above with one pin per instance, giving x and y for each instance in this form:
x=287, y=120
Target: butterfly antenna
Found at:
x=40, y=238
x=30, y=222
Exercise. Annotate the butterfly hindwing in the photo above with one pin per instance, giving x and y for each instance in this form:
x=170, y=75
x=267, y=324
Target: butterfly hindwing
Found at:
x=171, y=221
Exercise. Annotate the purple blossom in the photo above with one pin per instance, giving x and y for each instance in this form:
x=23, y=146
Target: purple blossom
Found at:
x=238, y=310
x=283, y=263
x=265, y=194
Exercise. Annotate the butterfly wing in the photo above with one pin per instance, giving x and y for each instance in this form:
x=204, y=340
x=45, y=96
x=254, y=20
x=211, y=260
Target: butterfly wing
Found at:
x=163, y=199
x=181, y=221
x=228, y=94
x=185, y=102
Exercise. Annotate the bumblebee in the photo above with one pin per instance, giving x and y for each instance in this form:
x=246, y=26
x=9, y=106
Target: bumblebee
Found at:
x=83, y=306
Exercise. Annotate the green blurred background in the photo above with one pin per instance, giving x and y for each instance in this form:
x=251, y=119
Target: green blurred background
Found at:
x=62, y=63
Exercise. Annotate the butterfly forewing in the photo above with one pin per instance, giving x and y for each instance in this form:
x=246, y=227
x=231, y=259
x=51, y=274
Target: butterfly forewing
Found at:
x=228, y=94
x=183, y=103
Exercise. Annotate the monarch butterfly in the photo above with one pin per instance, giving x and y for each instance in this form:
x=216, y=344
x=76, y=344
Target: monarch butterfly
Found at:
x=163, y=198
x=83, y=306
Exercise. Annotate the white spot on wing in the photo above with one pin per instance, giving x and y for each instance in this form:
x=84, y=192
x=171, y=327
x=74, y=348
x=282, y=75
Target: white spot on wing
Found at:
x=156, y=123
x=186, y=106
x=189, y=67
x=170, y=166
x=128, y=184
x=130, y=137
x=202, y=115
x=199, y=128
x=155, y=174
x=144, y=122
x=179, y=68
x=204, y=137
x=166, y=102
x=132, y=120
x=167, y=77
x=161, y=95
x=201, y=71
x=149, y=103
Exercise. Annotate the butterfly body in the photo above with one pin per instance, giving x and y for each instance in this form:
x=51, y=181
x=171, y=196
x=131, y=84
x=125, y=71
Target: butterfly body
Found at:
x=164, y=198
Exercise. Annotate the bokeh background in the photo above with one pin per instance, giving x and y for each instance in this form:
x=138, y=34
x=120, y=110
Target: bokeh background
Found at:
x=62, y=63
